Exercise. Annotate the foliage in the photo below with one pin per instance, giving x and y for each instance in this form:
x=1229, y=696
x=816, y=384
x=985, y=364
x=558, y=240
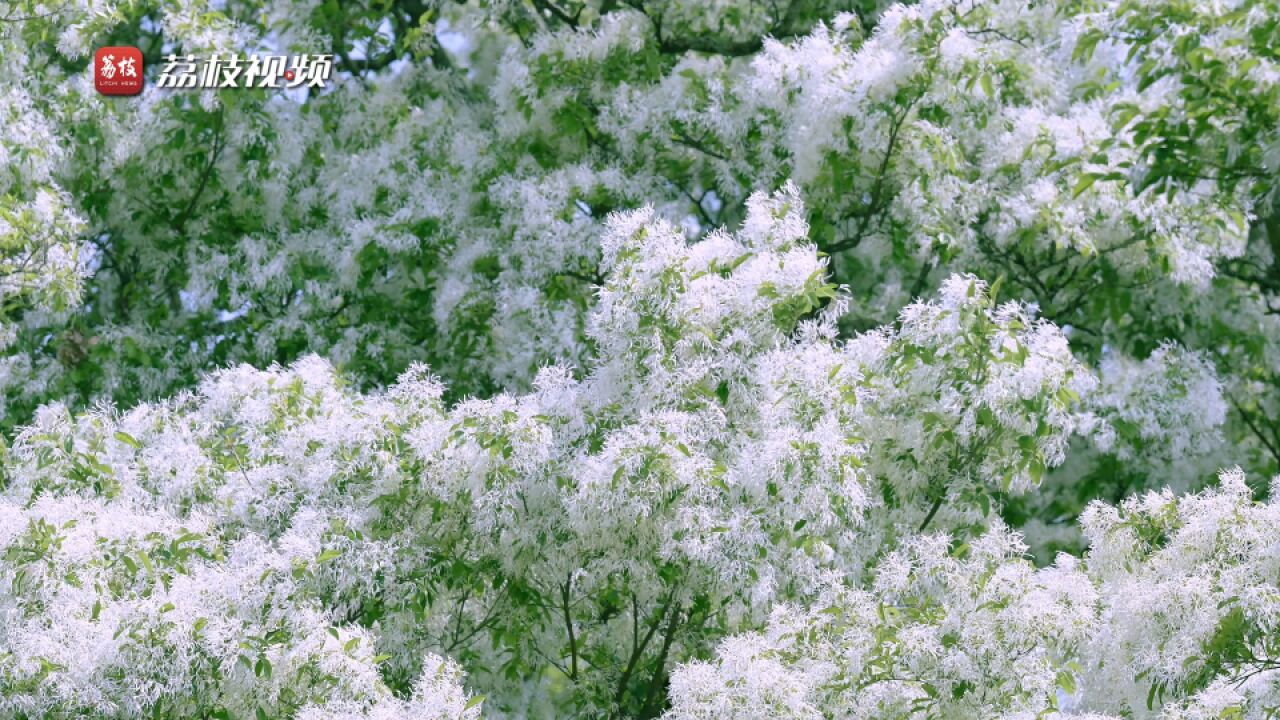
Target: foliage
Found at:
x=586, y=358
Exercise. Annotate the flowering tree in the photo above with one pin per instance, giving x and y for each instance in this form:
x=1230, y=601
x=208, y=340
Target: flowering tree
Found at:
x=645, y=358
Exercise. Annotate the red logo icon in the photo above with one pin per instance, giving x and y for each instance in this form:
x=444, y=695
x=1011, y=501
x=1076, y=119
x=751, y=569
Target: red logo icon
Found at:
x=118, y=70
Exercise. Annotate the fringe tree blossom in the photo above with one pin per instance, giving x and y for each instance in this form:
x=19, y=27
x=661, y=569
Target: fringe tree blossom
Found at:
x=1189, y=604
x=281, y=541
x=947, y=630
x=929, y=139
x=584, y=358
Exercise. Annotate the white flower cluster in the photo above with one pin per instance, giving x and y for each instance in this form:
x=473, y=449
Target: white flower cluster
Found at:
x=947, y=630
x=1161, y=411
x=766, y=332
x=42, y=259
x=1172, y=615
x=1189, y=604
x=270, y=540
x=146, y=572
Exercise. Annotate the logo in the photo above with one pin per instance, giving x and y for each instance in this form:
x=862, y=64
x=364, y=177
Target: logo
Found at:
x=118, y=70
x=233, y=71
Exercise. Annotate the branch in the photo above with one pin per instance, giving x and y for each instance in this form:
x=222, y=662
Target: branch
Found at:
x=998, y=33
x=682, y=138
x=487, y=621
x=652, y=694
x=710, y=44
x=589, y=279
x=921, y=278
x=697, y=203
x=874, y=206
x=932, y=511
x=637, y=649
x=180, y=222
x=1272, y=447
x=457, y=617
x=568, y=622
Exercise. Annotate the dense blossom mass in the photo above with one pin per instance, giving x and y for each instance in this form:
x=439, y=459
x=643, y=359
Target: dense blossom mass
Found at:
x=644, y=359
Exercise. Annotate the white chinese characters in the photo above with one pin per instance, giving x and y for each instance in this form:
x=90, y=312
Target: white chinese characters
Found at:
x=124, y=66
x=233, y=71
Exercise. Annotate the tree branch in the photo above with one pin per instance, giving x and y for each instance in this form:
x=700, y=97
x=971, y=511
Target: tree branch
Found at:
x=874, y=204
x=652, y=695
x=180, y=223
x=1271, y=447
x=568, y=623
x=637, y=649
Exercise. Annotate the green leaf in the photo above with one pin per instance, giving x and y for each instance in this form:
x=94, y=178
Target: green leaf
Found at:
x=127, y=439
x=1067, y=682
x=1086, y=182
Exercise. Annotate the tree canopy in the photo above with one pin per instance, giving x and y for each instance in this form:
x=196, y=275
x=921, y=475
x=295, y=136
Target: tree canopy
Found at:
x=644, y=358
